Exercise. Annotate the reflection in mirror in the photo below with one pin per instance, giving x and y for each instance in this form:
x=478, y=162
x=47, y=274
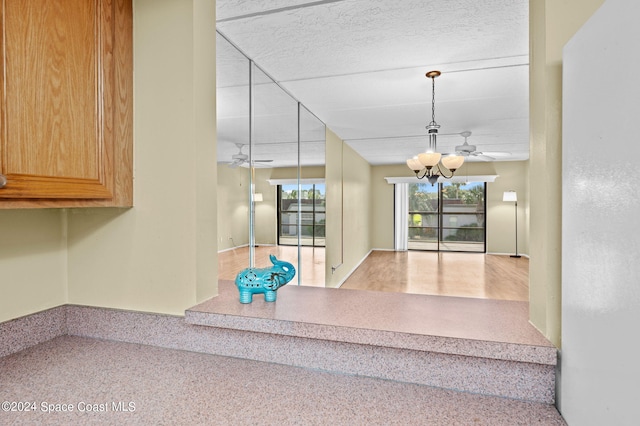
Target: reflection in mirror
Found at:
x=312, y=198
x=267, y=136
x=312, y=139
x=233, y=138
x=275, y=123
x=274, y=134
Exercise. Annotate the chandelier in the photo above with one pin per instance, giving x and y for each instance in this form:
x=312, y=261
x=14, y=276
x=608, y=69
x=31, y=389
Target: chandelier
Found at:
x=427, y=164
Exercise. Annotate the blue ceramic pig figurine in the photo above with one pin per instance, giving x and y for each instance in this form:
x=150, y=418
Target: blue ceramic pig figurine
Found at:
x=252, y=281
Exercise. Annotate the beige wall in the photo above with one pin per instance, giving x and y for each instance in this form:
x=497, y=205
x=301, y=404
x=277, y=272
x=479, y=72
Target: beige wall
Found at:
x=500, y=215
x=233, y=207
x=159, y=256
x=349, y=202
x=381, y=232
x=334, y=251
x=266, y=210
x=317, y=172
x=33, y=261
x=552, y=23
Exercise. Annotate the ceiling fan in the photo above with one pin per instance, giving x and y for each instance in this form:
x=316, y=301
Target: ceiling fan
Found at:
x=242, y=159
x=467, y=150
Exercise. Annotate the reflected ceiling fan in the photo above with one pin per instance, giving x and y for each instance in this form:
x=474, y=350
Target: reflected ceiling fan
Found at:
x=241, y=159
x=467, y=150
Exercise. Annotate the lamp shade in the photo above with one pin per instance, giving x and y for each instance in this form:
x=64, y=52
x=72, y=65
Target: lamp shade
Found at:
x=510, y=196
x=414, y=164
x=429, y=159
x=453, y=162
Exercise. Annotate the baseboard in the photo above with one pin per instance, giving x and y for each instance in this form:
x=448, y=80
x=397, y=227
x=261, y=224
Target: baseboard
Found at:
x=233, y=248
x=507, y=254
x=346, y=277
x=30, y=330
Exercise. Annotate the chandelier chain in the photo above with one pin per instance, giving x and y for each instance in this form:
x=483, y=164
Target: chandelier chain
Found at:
x=433, y=100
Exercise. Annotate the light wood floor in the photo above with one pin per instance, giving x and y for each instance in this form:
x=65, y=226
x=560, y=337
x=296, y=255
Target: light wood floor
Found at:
x=231, y=262
x=475, y=275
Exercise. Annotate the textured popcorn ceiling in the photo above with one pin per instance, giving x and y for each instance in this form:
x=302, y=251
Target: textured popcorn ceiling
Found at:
x=359, y=66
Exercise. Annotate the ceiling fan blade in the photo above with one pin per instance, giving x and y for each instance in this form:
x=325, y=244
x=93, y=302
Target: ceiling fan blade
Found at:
x=496, y=154
x=261, y=165
x=465, y=148
x=256, y=165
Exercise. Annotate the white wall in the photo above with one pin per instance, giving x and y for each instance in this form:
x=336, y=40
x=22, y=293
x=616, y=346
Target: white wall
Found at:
x=599, y=368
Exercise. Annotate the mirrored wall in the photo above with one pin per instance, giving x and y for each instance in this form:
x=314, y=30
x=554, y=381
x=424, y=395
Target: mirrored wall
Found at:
x=271, y=158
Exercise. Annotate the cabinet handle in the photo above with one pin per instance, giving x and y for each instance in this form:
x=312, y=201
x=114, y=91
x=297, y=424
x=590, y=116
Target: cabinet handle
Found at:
x=3, y=181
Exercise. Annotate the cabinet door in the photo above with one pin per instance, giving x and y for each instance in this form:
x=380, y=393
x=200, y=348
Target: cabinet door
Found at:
x=62, y=98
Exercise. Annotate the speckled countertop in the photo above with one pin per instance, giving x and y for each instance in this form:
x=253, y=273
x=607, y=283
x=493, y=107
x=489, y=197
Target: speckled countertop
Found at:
x=124, y=383
x=487, y=328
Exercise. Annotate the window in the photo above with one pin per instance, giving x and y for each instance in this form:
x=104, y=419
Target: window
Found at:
x=447, y=217
x=312, y=215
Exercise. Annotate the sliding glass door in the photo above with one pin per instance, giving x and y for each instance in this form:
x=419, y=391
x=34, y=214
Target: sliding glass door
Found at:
x=301, y=214
x=424, y=216
x=447, y=217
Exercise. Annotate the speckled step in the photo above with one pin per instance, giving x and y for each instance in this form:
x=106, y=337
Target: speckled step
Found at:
x=473, y=345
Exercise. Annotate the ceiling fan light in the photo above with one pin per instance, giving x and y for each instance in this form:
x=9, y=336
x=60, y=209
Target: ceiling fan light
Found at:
x=429, y=159
x=453, y=162
x=414, y=164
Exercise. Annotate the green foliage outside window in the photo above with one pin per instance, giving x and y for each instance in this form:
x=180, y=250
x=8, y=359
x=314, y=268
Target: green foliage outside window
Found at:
x=465, y=234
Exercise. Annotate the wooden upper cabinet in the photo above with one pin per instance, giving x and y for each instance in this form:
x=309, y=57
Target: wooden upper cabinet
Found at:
x=66, y=88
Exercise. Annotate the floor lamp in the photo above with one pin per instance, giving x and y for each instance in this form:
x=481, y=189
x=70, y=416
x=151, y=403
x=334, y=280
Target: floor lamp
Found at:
x=512, y=196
